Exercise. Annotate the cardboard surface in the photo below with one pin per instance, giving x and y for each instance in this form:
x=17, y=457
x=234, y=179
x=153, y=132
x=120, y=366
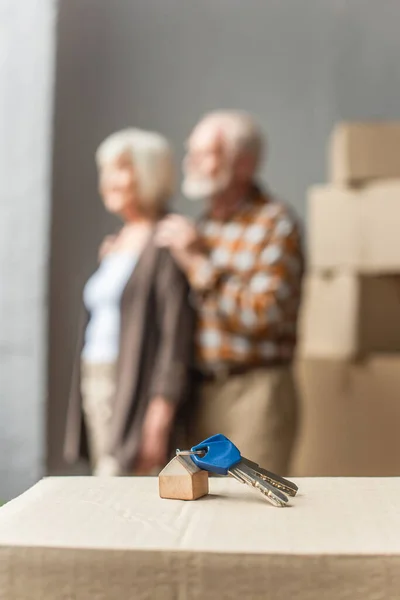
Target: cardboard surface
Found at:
x=355, y=229
x=359, y=152
x=86, y=538
x=350, y=418
x=345, y=315
x=127, y=514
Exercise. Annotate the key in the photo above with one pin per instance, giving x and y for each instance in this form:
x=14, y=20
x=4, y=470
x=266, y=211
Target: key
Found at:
x=245, y=474
x=219, y=455
x=222, y=457
x=277, y=481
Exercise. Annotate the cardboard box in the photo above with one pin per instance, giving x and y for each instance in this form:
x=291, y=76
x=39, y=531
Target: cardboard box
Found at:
x=334, y=228
x=85, y=538
x=355, y=229
x=380, y=215
x=360, y=152
x=350, y=415
x=346, y=316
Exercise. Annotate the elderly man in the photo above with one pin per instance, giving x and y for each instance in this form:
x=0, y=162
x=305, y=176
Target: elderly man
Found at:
x=244, y=263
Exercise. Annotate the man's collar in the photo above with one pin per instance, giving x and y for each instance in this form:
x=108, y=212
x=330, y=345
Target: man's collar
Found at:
x=256, y=195
x=259, y=194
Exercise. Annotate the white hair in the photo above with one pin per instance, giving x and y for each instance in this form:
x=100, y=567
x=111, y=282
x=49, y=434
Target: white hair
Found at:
x=240, y=130
x=152, y=157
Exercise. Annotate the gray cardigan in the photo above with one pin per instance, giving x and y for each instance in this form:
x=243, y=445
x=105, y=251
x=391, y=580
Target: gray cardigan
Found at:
x=156, y=351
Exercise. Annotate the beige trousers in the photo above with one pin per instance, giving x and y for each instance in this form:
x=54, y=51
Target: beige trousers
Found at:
x=98, y=382
x=256, y=410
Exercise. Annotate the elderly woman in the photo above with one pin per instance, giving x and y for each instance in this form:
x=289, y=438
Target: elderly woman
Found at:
x=135, y=345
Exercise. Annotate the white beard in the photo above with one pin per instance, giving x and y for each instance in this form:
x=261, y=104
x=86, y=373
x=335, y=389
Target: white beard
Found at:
x=202, y=188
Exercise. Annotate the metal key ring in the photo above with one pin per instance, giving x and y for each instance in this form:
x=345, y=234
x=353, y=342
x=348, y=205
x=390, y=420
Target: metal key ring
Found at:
x=188, y=452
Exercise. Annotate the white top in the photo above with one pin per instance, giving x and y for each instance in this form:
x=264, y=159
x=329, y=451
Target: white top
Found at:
x=102, y=297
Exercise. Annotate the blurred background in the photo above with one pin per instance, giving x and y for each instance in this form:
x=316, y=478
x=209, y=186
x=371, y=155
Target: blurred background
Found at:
x=74, y=71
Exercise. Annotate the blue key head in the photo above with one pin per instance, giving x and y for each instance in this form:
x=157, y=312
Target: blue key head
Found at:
x=220, y=454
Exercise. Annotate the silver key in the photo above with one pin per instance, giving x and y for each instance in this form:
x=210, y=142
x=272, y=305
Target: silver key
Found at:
x=277, y=481
x=246, y=474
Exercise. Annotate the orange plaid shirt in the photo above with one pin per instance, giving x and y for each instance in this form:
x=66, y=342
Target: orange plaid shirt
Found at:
x=248, y=291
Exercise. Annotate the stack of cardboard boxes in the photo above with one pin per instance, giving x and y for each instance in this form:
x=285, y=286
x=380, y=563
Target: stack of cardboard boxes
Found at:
x=348, y=365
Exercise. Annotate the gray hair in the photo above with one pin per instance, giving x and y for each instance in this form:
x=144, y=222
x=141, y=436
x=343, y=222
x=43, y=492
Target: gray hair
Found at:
x=241, y=131
x=152, y=157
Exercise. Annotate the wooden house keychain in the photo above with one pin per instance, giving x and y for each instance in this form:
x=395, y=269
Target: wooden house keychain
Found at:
x=182, y=479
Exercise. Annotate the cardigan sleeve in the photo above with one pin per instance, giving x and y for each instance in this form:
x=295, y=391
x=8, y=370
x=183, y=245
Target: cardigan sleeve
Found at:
x=176, y=321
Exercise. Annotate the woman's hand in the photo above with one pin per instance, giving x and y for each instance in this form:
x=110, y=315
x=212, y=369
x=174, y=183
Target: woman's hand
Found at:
x=153, y=452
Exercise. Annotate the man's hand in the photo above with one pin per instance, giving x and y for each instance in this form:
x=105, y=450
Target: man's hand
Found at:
x=155, y=437
x=180, y=235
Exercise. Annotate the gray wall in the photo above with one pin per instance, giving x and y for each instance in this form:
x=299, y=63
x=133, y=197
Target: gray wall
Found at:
x=27, y=45
x=298, y=65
